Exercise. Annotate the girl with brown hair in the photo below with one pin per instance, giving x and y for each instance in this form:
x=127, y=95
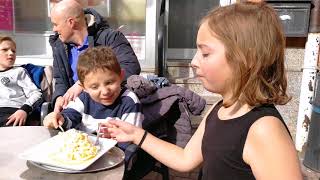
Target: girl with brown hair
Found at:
x=240, y=55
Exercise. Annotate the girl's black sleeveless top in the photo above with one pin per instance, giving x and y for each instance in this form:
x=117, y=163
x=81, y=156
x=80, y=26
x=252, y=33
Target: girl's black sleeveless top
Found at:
x=223, y=143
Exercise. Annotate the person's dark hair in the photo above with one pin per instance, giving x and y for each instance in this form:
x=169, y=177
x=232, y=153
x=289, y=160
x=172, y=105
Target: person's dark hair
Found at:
x=254, y=42
x=97, y=58
x=7, y=38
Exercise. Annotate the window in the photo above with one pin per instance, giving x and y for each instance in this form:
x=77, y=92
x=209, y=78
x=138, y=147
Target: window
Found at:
x=6, y=15
x=20, y=16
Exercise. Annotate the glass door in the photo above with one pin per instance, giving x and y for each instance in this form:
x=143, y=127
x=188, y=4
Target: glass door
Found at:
x=183, y=20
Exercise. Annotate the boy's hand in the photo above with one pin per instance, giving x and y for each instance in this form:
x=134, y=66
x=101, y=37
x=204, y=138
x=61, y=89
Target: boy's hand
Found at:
x=58, y=106
x=18, y=118
x=53, y=120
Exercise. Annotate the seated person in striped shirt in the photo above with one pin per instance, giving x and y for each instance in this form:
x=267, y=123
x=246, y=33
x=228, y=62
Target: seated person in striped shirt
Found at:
x=103, y=97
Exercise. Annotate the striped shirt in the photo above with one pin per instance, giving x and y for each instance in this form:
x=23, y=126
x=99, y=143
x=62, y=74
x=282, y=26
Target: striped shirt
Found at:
x=84, y=113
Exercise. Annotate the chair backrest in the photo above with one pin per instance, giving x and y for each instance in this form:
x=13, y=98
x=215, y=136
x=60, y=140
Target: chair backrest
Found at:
x=167, y=110
x=47, y=83
x=42, y=77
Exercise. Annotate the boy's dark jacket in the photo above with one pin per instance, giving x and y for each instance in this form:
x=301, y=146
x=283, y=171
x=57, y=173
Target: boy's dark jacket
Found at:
x=99, y=33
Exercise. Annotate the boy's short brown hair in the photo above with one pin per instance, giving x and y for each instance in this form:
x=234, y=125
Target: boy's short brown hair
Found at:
x=97, y=58
x=7, y=38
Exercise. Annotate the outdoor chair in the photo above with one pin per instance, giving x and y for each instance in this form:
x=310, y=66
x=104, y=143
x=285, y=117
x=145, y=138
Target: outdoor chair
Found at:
x=42, y=78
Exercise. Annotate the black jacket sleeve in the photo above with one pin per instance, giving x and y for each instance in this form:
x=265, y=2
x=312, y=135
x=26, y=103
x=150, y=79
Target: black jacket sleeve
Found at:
x=60, y=87
x=60, y=67
x=123, y=50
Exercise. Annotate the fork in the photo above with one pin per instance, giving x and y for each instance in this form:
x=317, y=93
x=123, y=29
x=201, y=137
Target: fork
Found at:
x=60, y=127
x=98, y=135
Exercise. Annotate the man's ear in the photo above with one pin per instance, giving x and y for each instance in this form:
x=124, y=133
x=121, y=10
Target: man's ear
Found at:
x=71, y=22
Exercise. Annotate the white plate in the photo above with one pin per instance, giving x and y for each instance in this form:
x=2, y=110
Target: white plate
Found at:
x=41, y=153
x=112, y=158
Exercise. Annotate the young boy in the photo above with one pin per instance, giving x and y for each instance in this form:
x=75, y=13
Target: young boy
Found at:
x=18, y=92
x=103, y=97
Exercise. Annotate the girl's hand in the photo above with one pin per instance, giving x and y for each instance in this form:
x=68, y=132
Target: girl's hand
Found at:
x=122, y=131
x=103, y=131
x=18, y=118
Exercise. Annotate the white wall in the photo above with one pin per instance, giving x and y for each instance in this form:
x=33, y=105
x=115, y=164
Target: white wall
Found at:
x=33, y=48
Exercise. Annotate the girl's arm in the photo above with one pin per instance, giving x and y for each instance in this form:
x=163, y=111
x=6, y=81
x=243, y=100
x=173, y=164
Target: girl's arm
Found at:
x=174, y=156
x=270, y=151
x=169, y=154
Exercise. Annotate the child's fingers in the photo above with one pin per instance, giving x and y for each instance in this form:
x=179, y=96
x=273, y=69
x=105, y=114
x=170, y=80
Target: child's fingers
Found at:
x=58, y=107
x=16, y=122
x=60, y=119
x=65, y=103
x=105, y=130
x=114, y=131
x=106, y=125
x=8, y=122
x=102, y=129
x=106, y=136
x=113, y=121
x=66, y=96
x=21, y=122
x=60, y=122
x=53, y=121
x=118, y=123
x=11, y=119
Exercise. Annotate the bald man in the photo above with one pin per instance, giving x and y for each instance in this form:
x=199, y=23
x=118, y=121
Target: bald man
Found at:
x=72, y=37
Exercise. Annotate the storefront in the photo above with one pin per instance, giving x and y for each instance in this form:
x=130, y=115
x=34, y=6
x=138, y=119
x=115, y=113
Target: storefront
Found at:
x=30, y=25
